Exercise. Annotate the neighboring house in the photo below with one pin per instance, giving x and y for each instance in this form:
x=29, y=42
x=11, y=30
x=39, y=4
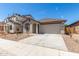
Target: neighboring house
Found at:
x=72, y=28
x=2, y=27
x=27, y=24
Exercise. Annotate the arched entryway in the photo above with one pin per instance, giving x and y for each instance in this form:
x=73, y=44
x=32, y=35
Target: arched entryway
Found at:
x=27, y=27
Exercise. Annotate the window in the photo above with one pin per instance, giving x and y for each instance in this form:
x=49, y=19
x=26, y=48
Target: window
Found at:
x=17, y=30
x=28, y=19
x=10, y=27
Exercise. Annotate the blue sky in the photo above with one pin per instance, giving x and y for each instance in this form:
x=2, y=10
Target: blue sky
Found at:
x=70, y=12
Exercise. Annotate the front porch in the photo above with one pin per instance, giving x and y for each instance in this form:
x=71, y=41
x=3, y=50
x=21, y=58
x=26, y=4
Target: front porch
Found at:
x=34, y=28
x=26, y=28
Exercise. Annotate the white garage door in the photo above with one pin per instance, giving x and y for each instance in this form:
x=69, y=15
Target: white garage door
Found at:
x=50, y=28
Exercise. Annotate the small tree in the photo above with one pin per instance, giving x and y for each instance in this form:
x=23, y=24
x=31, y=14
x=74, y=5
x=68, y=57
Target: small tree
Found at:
x=65, y=24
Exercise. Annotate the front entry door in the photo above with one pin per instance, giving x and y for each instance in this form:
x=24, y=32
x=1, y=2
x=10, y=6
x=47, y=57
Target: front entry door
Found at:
x=27, y=27
x=34, y=28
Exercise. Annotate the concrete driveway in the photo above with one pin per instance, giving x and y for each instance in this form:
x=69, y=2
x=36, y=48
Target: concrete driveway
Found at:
x=46, y=40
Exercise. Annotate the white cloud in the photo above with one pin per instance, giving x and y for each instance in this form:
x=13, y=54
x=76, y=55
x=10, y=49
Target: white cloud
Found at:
x=62, y=16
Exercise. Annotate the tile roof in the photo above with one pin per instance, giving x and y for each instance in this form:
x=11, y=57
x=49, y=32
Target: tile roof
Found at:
x=50, y=21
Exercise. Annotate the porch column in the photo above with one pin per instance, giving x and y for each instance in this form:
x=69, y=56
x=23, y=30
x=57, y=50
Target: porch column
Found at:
x=31, y=28
x=36, y=28
x=4, y=28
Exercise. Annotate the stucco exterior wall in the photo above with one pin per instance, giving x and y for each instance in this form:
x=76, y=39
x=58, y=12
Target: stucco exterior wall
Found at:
x=13, y=27
x=51, y=28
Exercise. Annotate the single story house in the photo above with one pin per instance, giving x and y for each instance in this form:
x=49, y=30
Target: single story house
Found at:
x=27, y=24
x=72, y=28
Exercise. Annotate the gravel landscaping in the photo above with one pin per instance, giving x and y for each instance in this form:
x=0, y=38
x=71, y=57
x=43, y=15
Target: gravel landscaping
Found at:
x=72, y=43
x=15, y=37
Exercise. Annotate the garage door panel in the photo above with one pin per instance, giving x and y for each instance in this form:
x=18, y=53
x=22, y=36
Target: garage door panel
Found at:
x=51, y=28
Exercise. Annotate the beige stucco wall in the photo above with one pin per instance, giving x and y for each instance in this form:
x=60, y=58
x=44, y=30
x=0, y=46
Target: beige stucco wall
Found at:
x=51, y=28
x=13, y=27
